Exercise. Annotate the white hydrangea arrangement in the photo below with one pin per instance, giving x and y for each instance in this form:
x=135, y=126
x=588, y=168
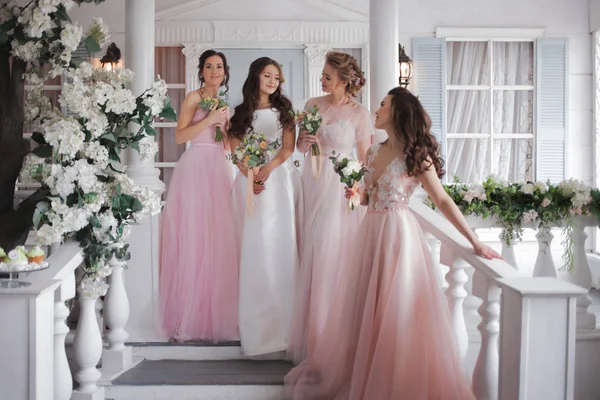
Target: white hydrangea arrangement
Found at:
x=77, y=160
x=527, y=204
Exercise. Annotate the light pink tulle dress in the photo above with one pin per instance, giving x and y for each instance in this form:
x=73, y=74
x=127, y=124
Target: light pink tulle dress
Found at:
x=199, y=255
x=328, y=227
x=388, y=335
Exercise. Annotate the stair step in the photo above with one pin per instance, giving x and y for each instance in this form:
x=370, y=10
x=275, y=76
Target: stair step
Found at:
x=198, y=351
x=201, y=380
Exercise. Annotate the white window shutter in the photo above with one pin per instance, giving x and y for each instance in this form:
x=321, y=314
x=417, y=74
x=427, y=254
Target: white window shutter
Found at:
x=551, y=108
x=429, y=83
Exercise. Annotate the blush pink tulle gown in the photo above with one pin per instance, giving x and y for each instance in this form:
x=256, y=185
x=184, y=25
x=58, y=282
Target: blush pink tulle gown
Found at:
x=388, y=335
x=328, y=227
x=199, y=255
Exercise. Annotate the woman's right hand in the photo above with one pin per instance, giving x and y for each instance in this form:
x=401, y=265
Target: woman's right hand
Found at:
x=307, y=140
x=350, y=192
x=219, y=116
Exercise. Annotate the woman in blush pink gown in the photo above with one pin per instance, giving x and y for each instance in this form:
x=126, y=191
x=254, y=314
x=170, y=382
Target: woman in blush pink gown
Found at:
x=389, y=335
x=199, y=263
x=328, y=227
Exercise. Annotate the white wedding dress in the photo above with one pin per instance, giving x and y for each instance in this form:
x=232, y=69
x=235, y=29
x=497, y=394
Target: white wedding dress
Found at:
x=269, y=252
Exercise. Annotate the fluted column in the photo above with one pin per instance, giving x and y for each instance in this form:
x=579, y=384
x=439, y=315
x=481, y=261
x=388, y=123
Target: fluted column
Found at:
x=383, y=42
x=315, y=53
x=139, y=44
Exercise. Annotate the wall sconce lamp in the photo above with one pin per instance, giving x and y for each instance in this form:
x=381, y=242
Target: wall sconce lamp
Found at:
x=405, y=65
x=111, y=59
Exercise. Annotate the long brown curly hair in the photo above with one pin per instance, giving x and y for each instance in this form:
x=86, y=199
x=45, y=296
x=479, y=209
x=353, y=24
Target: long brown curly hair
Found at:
x=412, y=127
x=242, y=119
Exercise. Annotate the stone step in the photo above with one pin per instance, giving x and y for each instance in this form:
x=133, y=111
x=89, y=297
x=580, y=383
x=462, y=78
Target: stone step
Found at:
x=201, y=380
x=196, y=351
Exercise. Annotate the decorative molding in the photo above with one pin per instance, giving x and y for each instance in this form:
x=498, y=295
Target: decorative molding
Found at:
x=263, y=33
x=183, y=8
x=235, y=31
x=192, y=52
x=524, y=34
x=315, y=53
x=177, y=33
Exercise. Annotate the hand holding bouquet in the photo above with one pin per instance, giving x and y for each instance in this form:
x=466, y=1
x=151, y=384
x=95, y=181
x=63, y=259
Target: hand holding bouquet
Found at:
x=350, y=172
x=254, y=152
x=207, y=104
x=310, y=121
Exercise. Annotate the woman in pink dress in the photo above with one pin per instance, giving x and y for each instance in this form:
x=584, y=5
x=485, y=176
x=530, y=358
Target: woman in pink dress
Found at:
x=389, y=335
x=328, y=227
x=199, y=261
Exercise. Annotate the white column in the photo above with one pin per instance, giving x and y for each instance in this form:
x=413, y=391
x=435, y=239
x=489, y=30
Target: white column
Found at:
x=537, y=339
x=383, y=42
x=117, y=357
x=315, y=54
x=141, y=280
x=139, y=43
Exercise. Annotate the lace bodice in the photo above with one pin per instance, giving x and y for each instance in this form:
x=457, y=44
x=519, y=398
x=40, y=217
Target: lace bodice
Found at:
x=394, y=187
x=342, y=126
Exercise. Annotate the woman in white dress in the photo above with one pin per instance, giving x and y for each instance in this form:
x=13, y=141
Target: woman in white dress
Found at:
x=269, y=236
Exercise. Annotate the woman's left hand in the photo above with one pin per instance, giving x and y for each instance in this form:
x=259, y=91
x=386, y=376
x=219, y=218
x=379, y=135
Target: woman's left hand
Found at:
x=485, y=251
x=263, y=174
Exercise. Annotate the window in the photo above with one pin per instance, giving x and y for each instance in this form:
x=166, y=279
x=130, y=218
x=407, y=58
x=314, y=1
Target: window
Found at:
x=490, y=91
x=169, y=63
x=497, y=105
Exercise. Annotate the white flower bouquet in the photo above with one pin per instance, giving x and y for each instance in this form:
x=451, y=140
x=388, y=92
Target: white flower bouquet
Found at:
x=350, y=171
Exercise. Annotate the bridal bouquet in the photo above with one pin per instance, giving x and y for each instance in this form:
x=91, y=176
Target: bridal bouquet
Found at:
x=350, y=172
x=208, y=103
x=310, y=121
x=254, y=152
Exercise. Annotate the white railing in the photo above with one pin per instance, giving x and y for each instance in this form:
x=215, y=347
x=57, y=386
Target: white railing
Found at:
x=34, y=363
x=545, y=266
x=521, y=318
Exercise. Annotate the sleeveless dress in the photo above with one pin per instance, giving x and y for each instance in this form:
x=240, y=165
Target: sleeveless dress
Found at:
x=329, y=228
x=269, y=251
x=199, y=256
x=389, y=334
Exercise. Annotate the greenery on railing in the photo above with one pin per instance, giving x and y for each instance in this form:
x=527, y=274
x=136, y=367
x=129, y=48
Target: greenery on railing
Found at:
x=531, y=204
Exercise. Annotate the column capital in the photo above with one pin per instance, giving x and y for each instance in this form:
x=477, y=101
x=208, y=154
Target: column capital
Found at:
x=192, y=52
x=316, y=54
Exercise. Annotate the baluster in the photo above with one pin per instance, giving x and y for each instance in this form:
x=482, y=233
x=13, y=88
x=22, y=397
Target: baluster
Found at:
x=485, y=374
x=63, y=381
x=433, y=243
x=116, y=312
x=582, y=276
x=544, y=264
x=88, y=350
x=508, y=252
x=456, y=294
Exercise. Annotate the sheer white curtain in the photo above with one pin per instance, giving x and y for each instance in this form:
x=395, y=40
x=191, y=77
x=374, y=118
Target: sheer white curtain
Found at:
x=472, y=159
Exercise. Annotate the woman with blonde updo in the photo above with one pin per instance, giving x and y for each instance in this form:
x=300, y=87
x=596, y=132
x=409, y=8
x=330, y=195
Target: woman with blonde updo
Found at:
x=328, y=226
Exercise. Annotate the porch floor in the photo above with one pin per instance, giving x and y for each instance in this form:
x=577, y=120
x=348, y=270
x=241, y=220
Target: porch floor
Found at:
x=206, y=372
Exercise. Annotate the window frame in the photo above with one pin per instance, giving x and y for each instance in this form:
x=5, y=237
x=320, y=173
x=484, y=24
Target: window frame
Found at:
x=490, y=36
